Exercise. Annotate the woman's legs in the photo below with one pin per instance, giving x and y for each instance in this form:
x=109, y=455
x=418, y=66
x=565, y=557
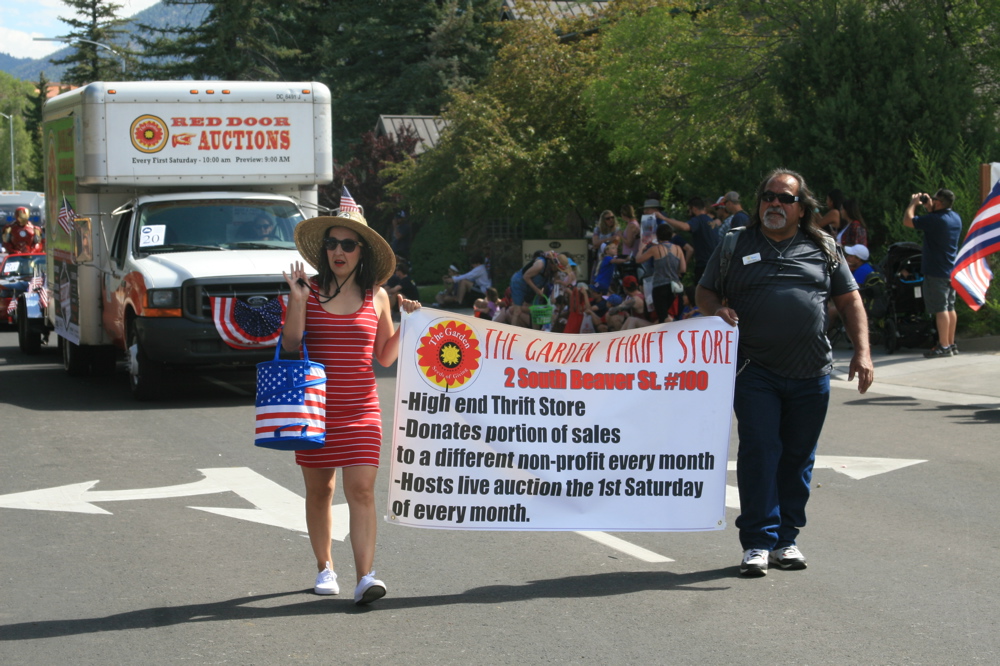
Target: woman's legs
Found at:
x=359, y=489
x=320, y=484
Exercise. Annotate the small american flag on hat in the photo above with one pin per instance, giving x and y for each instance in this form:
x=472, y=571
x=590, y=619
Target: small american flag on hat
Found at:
x=347, y=202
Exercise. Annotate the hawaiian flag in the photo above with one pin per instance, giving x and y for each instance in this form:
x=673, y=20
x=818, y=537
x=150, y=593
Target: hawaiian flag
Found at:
x=347, y=202
x=65, y=217
x=971, y=275
x=291, y=403
x=243, y=326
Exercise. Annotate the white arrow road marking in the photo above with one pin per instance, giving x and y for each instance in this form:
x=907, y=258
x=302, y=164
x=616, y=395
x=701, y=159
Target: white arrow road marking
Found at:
x=78, y=498
x=852, y=466
x=274, y=505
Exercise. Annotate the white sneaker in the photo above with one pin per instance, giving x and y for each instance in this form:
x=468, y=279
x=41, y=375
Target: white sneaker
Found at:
x=369, y=589
x=789, y=558
x=754, y=562
x=326, y=581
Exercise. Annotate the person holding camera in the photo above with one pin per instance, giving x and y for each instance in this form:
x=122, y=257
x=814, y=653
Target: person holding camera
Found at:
x=942, y=228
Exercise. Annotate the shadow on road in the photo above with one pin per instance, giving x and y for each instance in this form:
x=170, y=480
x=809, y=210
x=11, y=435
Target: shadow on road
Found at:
x=596, y=585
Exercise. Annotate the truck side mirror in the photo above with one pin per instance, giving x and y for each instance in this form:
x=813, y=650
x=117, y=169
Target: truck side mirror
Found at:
x=83, y=247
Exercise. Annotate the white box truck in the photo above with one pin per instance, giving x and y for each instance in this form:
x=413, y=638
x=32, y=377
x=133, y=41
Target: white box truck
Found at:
x=171, y=209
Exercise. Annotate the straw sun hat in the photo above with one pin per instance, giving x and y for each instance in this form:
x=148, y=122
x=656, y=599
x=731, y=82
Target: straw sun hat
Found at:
x=310, y=233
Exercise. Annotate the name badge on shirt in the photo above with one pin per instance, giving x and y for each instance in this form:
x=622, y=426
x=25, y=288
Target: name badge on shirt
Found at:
x=751, y=259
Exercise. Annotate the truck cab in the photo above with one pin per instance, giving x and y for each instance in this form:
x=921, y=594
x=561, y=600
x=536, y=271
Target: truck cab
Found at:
x=175, y=205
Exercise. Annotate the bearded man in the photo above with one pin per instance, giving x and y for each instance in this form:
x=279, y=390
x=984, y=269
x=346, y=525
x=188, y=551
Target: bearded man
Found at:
x=775, y=278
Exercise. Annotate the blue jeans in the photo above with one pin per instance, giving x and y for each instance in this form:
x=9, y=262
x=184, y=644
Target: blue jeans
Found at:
x=780, y=420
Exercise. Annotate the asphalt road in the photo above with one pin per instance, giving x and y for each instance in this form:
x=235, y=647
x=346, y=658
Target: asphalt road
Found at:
x=901, y=563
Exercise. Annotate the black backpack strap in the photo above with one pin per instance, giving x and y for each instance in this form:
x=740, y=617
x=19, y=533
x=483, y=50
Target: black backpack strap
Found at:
x=726, y=256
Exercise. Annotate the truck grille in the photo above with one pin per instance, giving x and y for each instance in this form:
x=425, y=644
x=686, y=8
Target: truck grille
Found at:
x=255, y=291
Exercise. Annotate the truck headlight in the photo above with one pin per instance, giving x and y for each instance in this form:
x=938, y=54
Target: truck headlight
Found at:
x=164, y=298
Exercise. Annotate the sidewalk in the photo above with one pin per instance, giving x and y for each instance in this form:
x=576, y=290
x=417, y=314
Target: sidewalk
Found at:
x=972, y=378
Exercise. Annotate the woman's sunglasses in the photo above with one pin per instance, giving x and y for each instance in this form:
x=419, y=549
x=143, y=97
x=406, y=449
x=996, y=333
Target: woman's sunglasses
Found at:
x=348, y=244
x=770, y=196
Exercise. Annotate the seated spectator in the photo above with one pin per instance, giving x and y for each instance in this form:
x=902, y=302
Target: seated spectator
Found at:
x=448, y=295
x=857, y=260
x=631, y=313
x=475, y=282
x=688, y=308
x=400, y=283
x=487, y=307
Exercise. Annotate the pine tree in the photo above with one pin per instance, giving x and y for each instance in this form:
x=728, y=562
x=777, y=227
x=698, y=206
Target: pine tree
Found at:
x=96, y=27
x=239, y=40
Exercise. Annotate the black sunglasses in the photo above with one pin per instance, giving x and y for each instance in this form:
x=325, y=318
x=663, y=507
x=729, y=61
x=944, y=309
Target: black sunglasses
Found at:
x=770, y=196
x=348, y=244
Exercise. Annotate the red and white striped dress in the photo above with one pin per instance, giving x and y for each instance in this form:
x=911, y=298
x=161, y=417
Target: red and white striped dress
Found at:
x=344, y=345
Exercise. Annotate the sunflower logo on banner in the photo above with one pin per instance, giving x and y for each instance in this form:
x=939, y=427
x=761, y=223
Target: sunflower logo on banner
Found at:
x=448, y=355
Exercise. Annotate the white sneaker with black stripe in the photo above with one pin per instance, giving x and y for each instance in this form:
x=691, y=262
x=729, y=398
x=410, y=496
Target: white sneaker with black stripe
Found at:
x=754, y=563
x=789, y=558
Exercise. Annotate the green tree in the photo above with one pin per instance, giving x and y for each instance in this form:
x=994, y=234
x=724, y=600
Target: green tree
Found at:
x=676, y=83
x=364, y=176
x=519, y=146
x=856, y=83
x=395, y=56
x=14, y=99
x=33, y=126
x=239, y=40
x=95, y=29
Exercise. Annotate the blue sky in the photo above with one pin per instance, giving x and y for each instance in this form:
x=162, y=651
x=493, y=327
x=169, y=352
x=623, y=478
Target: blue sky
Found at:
x=22, y=20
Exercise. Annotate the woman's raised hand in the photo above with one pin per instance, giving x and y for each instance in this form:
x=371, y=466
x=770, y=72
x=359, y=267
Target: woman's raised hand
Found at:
x=298, y=281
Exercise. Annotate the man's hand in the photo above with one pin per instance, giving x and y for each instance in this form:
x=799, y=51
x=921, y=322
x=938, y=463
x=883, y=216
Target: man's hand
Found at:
x=861, y=365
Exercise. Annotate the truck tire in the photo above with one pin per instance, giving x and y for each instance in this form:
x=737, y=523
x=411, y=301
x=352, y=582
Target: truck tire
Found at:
x=29, y=341
x=76, y=359
x=145, y=376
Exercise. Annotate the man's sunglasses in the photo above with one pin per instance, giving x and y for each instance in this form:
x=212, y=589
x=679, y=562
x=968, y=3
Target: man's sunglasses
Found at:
x=770, y=196
x=348, y=244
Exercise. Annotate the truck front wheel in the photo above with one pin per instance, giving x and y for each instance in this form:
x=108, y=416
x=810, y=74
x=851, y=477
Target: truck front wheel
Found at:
x=145, y=376
x=29, y=341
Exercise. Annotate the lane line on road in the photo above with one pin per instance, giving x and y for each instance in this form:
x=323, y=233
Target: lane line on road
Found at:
x=623, y=546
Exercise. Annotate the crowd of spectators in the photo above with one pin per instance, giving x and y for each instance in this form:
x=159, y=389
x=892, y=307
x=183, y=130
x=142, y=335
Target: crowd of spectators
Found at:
x=643, y=268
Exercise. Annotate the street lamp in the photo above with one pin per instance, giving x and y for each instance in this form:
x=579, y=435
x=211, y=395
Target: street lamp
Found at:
x=10, y=119
x=72, y=40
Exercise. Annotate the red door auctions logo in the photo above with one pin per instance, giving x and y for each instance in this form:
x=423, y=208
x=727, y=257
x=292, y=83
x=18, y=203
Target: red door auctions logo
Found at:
x=448, y=355
x=149, y=134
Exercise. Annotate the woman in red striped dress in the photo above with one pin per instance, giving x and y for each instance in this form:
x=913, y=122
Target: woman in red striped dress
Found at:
x=346, y=313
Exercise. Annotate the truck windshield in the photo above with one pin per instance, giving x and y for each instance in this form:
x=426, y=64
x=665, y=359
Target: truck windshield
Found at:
x=216, y=224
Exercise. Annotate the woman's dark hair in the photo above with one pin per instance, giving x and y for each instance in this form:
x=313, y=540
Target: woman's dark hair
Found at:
x=836, y=198
x=853, y=211
x=364, y=276
x=664, y=232
x=628, y=212
x=807, y=202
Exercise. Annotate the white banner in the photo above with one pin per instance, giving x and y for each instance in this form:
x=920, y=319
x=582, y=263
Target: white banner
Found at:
x=171, y=140
x=505, y=428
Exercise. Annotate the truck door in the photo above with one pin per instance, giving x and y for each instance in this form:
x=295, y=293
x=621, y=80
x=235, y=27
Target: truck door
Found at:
x=115, y=289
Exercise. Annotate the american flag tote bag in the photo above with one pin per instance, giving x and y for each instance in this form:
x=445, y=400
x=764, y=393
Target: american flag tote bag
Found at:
x=291, y=403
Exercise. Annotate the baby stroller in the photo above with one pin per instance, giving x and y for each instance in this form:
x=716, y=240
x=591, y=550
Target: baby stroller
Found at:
x=894, y=302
